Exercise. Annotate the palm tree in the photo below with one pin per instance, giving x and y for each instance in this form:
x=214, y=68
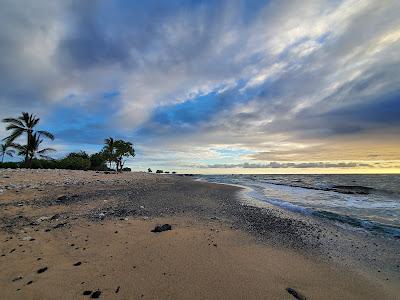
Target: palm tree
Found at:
x=109, y=149
x=31, y=150
x=24, y=124
x=4, y=150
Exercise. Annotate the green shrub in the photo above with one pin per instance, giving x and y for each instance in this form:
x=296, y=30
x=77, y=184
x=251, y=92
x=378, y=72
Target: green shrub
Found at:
x=9, y=165
x=44, y=164
x=72, y=162
x=98, y=162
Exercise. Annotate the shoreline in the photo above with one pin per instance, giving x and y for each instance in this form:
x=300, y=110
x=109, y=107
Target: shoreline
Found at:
x=68, y=201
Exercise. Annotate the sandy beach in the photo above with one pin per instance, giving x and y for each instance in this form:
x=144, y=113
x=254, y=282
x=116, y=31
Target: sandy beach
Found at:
x=64, y=233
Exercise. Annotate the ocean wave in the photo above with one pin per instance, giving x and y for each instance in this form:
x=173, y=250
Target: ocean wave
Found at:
x=356, y=222
x=343, y=189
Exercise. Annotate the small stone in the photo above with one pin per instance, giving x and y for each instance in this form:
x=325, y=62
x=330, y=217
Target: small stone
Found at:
x=42, y=270
x=29, y=282
x=117, y=290
x=96, y=295
x=77, y=264
x=162, y=228
x=86, y=293
x=295, y=294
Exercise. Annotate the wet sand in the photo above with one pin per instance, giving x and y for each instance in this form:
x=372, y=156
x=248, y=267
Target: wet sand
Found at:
x=102, y=223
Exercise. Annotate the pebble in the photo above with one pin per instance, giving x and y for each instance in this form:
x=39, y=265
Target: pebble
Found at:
x=295, y=294
x=96, y=295
x=77, y=264
x=42, y=270
x=86, y=293
x=162, y=228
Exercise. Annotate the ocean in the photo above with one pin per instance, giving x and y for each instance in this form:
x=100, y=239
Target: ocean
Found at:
x=368, y=202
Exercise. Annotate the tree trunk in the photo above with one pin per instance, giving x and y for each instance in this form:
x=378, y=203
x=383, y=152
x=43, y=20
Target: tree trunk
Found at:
x=29, y=139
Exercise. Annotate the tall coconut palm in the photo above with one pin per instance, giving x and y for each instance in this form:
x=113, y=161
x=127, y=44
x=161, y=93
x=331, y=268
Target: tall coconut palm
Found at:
x=31, y=150
x=24, y=124
x=109, y=149
x=5, y=150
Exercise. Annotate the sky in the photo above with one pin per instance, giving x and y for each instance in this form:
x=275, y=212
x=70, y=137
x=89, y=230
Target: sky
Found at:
x=211, y=86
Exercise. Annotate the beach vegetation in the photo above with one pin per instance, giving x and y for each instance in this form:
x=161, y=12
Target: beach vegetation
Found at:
x=98, y=161
x=75, y=161
x=109, y=150
x=35, y=156
x=6, y=149
x=26, y=125
x=123, y=150
x=32, y=149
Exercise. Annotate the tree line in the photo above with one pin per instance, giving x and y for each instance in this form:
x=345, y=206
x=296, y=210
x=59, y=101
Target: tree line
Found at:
x=24, y=128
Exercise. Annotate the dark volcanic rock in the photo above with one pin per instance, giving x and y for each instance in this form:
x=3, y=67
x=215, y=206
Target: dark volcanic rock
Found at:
x=162, y=228
x=86, y=293
x=295, y=294
x=77, y=264
x=96, y=295
x=59, y=225
x=42, y=270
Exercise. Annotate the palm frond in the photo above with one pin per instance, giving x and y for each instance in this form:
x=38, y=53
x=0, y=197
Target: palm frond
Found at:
x=34, y=121
x=25, y=118
x=46, y=150
x=46, y=134
x=13, y=126
x=13, y=136
x=18, y=146
x=13, y=121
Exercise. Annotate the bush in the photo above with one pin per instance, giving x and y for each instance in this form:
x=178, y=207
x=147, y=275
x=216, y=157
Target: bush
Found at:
x=44, y=164
x=10, y=165
x=98, y=162
x=72, y=162
x=126, y=169
x=159, y=171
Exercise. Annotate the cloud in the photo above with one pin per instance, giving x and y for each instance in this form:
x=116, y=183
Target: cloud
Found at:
x=305, y=81
x=279, y=165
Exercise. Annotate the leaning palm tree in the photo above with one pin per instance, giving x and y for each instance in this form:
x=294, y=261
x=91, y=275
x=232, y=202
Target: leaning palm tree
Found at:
x=5, y=150
x=109, y=149
x=31, y=150
x=24, y=124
